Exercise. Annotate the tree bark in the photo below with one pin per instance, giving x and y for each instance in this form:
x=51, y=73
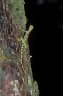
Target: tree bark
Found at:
x=15, y=67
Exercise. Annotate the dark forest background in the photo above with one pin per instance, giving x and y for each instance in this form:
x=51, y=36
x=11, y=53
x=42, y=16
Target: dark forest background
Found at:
x=44, y=42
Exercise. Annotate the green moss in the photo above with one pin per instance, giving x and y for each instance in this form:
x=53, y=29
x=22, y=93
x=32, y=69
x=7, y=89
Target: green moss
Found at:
x=16, y=8
x=35, y=89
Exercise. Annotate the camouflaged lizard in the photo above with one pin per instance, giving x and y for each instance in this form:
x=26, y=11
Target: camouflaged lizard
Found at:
x=23, y=43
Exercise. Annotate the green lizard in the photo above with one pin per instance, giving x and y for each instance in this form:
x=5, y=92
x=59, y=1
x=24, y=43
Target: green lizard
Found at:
x=22, y=41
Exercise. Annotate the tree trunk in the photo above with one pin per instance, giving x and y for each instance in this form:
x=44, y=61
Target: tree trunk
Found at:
x=15, y=69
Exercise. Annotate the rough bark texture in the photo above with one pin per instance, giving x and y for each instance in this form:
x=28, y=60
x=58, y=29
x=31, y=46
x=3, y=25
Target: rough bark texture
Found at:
x=15, y=69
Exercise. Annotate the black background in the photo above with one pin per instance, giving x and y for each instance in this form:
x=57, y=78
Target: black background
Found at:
x=44, y=43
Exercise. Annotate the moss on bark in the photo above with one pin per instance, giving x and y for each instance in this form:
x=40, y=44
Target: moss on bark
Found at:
x=16, y=76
